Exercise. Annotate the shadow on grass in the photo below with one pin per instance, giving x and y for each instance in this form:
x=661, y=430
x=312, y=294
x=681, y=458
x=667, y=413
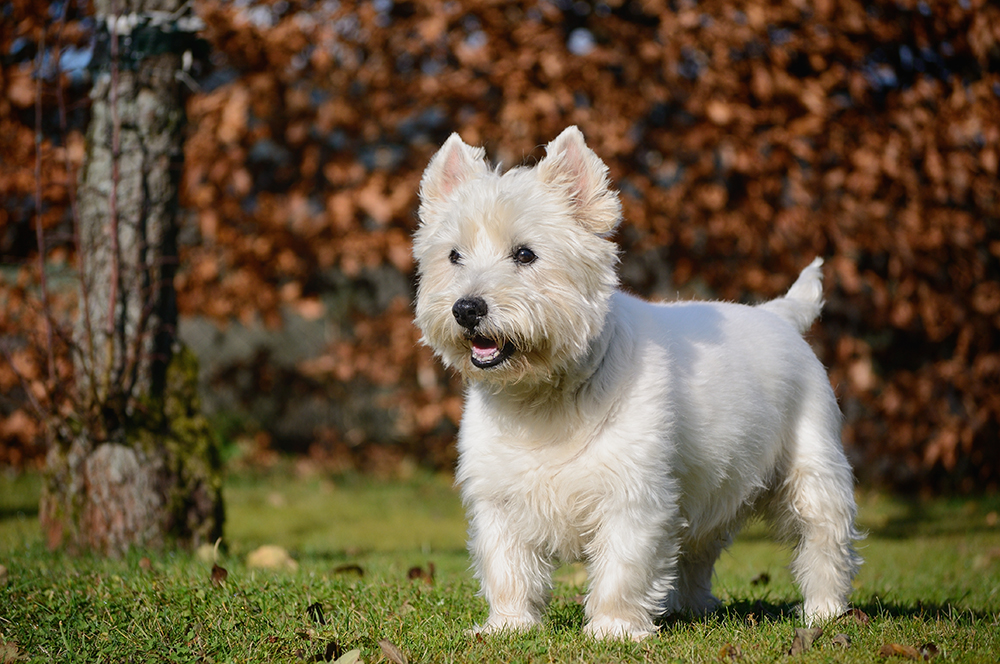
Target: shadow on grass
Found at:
x=567, y=615
x=876, y=609
x=862, y=613
x=23, y=512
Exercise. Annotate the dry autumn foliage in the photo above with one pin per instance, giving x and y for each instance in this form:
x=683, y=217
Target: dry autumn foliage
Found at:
x=745, y=138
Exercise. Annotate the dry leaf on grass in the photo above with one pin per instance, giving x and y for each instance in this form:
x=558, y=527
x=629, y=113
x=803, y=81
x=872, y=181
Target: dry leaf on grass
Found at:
x=350, y=657
x=271, y=556
x=841, y=640
x=899, y=650
x=418, y=572
x=392, y=652
x=10, y=652
x=349, y=569
x=859, y=616
x=219, y=575
x=730, y=653
x=930, y=650
x=803, y=640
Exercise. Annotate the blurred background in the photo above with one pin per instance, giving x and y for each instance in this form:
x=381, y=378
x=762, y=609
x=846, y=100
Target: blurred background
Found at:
x=745, y=138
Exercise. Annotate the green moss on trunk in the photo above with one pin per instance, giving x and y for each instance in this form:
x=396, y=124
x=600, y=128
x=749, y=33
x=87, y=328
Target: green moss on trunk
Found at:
x=158, y=483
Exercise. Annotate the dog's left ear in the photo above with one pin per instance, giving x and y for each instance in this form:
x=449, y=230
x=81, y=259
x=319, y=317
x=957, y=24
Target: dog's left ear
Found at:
x=571, y=165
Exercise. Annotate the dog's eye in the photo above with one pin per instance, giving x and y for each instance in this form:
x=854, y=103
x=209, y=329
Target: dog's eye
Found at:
x=524, y=256
x=455, y=257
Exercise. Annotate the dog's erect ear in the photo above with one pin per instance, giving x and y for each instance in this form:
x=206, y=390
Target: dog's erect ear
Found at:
x=452, y=165
x=570, y=164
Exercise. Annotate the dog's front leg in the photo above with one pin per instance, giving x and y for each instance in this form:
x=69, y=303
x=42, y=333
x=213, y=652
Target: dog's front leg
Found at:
x=515, y=577
x=632, y=567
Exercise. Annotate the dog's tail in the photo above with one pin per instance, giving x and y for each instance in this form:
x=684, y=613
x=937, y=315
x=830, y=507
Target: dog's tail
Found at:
x=802, y=303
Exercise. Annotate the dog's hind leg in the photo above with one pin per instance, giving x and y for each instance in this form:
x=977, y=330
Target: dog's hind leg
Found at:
x=692, y=592
x=816, y=506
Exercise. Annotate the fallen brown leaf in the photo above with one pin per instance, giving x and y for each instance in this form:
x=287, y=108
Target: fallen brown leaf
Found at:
x=392, y=652
x=418, y=572
x=730, y=652
x=271, y=556
x=842, y=640
x=929, y=651
x=219, y=575
x=897, y=650
x=350, y=569
x=803, y=640
x=350, y=657
x=9, y=652
x=858, y=615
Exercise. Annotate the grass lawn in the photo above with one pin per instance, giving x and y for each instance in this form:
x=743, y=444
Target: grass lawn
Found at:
x=931, y=576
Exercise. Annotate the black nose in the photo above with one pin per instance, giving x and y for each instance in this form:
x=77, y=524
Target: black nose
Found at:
x=469, y=311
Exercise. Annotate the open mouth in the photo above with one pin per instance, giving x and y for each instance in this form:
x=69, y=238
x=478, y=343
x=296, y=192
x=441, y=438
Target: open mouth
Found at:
x=487, y=353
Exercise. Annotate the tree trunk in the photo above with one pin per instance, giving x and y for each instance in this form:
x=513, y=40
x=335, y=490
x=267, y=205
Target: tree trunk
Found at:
x=135, y=465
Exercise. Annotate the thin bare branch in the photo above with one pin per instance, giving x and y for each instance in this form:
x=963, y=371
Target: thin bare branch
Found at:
x=39, y=231
x=113, y=203
x=81, y=256
x=142, y=327
x=42, y=414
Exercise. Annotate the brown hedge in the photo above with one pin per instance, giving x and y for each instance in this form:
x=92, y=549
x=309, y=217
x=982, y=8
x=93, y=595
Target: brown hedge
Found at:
x=746, y=137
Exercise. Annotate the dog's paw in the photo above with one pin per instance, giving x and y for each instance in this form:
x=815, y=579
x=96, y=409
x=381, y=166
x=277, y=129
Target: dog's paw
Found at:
x=500, y=625
x=616, y=628
x=817, y=612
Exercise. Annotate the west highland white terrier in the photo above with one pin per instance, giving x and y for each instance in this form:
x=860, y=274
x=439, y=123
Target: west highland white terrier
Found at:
x=637, y=437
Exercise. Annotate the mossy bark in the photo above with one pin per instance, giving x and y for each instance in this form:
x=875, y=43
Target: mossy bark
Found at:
x=135, y=464
x=156, y=483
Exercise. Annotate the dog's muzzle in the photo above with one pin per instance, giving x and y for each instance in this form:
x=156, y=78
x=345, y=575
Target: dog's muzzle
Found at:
x=486, y=352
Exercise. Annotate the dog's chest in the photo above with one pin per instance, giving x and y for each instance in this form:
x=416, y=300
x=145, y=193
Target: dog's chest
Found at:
x=554, y=494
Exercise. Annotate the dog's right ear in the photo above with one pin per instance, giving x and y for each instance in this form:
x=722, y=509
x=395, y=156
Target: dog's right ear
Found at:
x=452, y=165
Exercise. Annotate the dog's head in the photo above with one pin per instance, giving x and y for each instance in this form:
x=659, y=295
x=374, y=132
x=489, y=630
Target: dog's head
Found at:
x=515, y=269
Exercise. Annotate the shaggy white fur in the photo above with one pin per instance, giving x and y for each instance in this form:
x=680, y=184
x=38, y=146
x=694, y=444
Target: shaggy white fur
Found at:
x=634, y=436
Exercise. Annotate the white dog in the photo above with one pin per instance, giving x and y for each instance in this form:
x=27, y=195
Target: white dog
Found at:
x=635, y=436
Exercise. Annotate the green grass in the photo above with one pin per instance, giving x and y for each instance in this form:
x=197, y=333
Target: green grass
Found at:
x=932, y=574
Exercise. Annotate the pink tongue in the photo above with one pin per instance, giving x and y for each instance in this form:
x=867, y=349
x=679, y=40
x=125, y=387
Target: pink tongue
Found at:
x=484, y=345
x=484, y=348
